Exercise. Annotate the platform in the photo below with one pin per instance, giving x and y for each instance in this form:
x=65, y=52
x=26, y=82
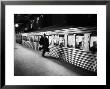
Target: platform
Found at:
x=28, y=62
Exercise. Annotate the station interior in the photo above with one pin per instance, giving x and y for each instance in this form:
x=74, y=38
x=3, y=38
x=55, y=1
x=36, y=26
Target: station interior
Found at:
x=72, y=45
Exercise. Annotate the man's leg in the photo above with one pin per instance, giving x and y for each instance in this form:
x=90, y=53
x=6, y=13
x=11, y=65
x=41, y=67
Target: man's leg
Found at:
x=43, y=53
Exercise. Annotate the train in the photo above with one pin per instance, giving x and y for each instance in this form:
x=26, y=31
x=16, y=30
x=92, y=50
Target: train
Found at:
x=76, y=46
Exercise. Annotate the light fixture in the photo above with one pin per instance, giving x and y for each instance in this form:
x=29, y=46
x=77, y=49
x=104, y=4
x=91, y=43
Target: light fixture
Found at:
x=16, y=25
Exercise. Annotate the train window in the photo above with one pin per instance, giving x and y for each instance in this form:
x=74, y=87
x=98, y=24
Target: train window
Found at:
x=35, y=38
x=71, y=41
x=25, y=38
x=54, y=40
x=79, y=41
x=93, y=44
x=61, y=40
x=31, y=39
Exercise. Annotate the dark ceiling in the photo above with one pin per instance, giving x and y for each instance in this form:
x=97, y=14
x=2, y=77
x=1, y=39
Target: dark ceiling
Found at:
x=56, y=20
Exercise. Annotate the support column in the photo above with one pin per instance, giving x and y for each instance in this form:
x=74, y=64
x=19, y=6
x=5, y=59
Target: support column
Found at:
x=74, y=40
x=65, y=39
x=86, y=41
x=58, y=39
x=53, y=40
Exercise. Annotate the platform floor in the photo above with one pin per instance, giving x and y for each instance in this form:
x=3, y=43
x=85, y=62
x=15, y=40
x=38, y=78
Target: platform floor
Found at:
x=28, y=62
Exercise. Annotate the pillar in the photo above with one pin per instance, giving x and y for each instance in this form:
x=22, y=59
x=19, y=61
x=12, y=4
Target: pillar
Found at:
x=65, y=37
x=74, y=40
x=53, y=40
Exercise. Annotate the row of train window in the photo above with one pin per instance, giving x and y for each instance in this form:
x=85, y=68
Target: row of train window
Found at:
x=93, y=43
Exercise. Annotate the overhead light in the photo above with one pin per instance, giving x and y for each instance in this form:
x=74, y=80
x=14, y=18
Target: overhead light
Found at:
x=16, y=25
